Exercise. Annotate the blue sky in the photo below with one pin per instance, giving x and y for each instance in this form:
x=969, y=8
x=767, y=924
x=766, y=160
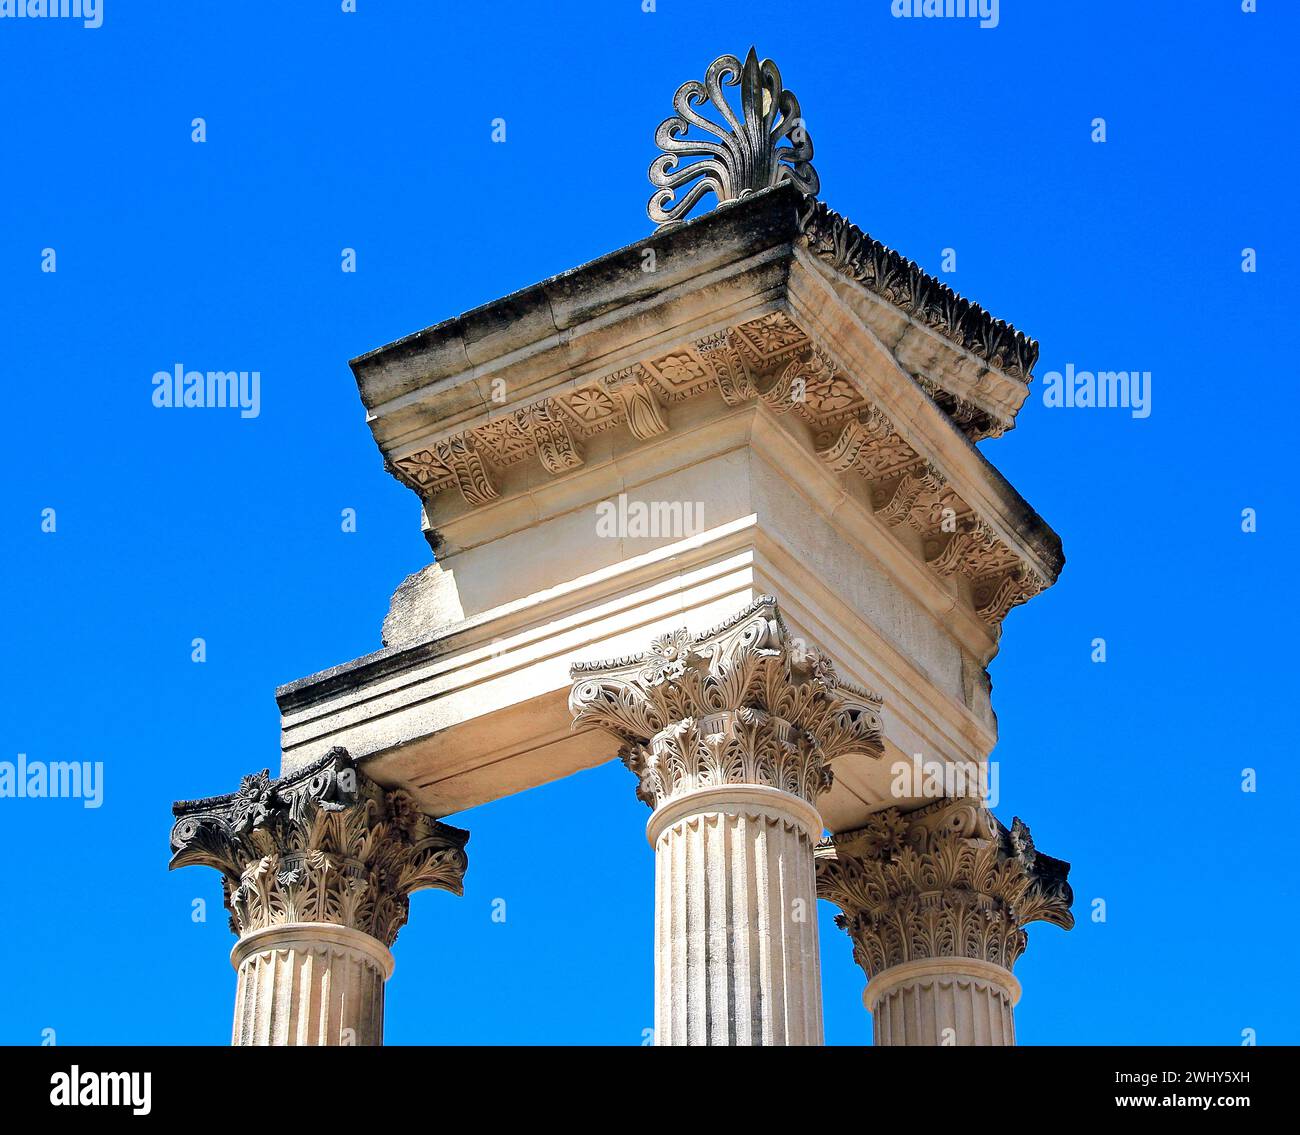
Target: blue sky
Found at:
x=371, y=130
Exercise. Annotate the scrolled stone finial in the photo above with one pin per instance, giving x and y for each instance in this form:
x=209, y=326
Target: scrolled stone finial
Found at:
x=748, y=154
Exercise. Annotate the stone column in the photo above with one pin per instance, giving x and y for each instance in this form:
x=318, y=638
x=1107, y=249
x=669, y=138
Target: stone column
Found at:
x=936, y=902
x=731, y=734
x=317, y=869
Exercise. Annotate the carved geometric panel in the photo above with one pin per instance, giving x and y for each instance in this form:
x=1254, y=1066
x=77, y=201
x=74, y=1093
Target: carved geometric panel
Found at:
x=590, y=409
x=425, y=470
x=680, y=374
x=769, y=340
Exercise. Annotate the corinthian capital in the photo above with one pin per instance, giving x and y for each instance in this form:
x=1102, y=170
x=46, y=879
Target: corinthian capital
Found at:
x=325, y=844
x=742, y=703
x=947, y=881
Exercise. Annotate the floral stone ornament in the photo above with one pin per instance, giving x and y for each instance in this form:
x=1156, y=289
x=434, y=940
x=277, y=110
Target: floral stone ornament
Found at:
x=748, y=154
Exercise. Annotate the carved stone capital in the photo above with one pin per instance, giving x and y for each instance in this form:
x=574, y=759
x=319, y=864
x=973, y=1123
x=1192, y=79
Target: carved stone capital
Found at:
x=324, y=845
x=742, y=703
x=947, y=881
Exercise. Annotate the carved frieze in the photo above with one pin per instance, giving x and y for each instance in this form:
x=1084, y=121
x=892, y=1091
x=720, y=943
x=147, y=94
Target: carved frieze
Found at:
x=769, y=359
x=868, y=444
x=974, y=551
x=730, y=371
x=425, y=470
x=680, y=373
x=592, y=409
x=922, y=499
x=995, y=595
x=769, y=341
x=556, y=448
x=505, y=439
x=828, y=394
x=810, y=384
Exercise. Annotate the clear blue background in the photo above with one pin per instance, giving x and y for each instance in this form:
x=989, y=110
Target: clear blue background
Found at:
x=329, y=130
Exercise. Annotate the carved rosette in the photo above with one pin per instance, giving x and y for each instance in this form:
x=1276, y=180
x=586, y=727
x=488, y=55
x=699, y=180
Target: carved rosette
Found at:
x=742, y=704
x=945, y=882
x=323, y=845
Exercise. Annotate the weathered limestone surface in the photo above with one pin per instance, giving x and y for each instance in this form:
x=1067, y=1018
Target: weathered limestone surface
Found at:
x=731, y=734
x=760, y=401
x=939, y=1001
x=310, y=984
x=317, y=869
x=812, y=392
x=936, y=902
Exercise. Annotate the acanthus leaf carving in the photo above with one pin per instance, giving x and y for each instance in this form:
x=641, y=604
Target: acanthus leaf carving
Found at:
x=923, y=500
x=946, y=881
x=466, y=464
x=975, y=550
x=740, y=704
x=556, y=448
x=641, y=410
x=995, y=596
x=735, y=383
x=324, y=844
x=868, y=443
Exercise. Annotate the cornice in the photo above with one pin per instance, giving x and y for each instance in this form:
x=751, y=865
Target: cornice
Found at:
x=903, y=283
x=774, y=361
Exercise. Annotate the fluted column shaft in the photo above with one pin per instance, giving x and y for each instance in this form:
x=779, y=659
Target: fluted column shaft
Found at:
x=310, y=984
x=736, y=954
x=731, y=734
x=317, y=867
x=936, y=901
x=943, y=1001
